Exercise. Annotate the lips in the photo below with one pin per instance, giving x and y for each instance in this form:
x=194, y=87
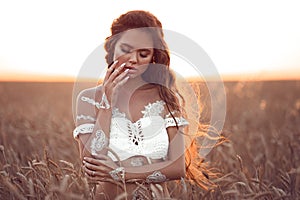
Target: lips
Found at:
x=130, y=67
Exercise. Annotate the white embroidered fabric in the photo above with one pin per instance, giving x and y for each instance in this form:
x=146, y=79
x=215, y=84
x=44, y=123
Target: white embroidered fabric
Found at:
x=85, y=117
x=171, y=122
x=98, y=142
x=146, y=137
x=83, y=129
x=90, y=101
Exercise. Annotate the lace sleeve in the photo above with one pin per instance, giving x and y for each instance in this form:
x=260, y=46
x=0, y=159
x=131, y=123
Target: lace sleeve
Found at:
x=170, y=121
x=85, y=110
x=85, y=117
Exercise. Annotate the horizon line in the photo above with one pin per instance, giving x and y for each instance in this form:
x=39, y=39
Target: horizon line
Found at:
x=18, y=77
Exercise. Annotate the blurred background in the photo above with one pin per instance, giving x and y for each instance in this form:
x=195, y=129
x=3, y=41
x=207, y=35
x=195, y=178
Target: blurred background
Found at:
x=51, y=40
x=255, y=46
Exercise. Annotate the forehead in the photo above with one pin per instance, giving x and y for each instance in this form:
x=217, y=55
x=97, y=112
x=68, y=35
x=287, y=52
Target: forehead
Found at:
x=138, y=39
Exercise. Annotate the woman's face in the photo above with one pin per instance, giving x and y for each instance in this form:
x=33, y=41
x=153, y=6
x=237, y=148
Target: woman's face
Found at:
x=136, y=47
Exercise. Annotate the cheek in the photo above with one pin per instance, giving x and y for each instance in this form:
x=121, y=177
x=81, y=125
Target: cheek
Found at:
x=117, y=53
x=146, y=60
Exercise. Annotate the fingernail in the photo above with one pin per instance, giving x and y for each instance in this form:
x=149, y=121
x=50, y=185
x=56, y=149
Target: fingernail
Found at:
x=126, y=70
x=116, y=61
x=83, y=161
x=84, y=158
x=123, y=65
x=127, y=77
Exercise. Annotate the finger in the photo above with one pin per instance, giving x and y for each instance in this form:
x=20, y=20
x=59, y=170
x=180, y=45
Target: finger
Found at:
x=95, y=166
x=111, y=68
x=116, y=73
x=91, y=166
x=92, y=161
x=120, y=68
x=122, y=82
x=95, y=171
x=94, y=175
x=119, y=80
x=89, y=172
x=121, y=76
x=101, y=157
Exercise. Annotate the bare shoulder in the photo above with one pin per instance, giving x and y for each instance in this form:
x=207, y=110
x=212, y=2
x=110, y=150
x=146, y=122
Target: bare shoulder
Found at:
x=86, y=105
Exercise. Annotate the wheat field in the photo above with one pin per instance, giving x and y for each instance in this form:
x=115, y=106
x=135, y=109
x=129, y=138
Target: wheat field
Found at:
x=259, y=159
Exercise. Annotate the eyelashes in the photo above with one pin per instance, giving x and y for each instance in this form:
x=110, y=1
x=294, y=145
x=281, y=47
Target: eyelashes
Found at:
x=142, y=53
x=125, y=50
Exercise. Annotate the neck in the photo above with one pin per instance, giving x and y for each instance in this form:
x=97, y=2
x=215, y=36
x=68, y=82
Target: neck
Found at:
x=128, y=89
x=134, y=83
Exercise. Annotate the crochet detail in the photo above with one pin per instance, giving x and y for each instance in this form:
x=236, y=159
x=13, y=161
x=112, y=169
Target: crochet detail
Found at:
x=117, y=114
x=90, y=101
x=154, y=109
x=98, y=142
x=169, y=114
x=83, y=129
x=135, y=134
x=85, y=117
x=171, y=122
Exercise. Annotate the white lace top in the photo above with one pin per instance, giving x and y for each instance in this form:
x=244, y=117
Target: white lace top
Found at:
x=146, y=137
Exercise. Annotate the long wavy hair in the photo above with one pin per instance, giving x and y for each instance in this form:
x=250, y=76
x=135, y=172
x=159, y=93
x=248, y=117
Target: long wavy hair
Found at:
x=159, y=73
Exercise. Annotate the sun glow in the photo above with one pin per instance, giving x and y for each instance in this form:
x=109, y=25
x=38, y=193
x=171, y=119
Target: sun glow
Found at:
x=50, y=40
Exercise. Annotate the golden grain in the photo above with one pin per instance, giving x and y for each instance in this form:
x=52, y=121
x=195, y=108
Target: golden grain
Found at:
x=258, y=159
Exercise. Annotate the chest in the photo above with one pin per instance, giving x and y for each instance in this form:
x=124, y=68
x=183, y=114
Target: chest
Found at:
x=147, y=136
x=135, y=105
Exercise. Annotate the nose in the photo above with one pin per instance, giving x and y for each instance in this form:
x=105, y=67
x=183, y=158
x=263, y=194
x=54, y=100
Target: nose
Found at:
x=133, y=57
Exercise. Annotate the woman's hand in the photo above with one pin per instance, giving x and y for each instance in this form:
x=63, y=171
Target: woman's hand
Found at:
x=98, y=168
x=115, y=77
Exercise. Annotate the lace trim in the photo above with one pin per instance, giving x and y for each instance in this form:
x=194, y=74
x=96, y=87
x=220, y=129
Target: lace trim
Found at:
x=83, y=129
x=117, y=114
x=171, y=122
x=90, y=101
x=85, y=117
x=169, y=114
x=154, y=109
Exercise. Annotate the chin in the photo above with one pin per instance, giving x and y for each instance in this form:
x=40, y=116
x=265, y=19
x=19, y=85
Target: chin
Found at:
x=133, y=76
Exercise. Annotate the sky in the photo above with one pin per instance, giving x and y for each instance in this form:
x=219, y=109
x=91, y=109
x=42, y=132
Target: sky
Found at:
x=250, y=39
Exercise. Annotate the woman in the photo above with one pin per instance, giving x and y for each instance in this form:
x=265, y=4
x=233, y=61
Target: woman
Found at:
x=130, y=128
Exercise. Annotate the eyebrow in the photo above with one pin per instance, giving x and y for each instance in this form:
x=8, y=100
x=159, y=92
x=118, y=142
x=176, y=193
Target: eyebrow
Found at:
x=125, y=44
x=131, y=47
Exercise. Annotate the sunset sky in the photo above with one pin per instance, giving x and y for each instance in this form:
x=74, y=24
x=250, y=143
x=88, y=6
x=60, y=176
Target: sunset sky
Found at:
x=40, y=40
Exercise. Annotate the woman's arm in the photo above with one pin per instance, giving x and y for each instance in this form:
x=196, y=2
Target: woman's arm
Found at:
x=101, y=120
x=100, y=100
x=172, y=168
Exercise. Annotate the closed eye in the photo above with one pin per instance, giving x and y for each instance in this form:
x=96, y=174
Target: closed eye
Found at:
x=125, y=50
x=144, y=53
